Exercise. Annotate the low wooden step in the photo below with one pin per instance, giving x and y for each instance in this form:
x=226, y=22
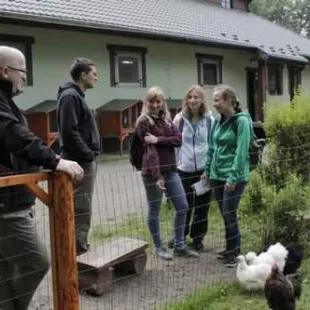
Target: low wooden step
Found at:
x=99, y=267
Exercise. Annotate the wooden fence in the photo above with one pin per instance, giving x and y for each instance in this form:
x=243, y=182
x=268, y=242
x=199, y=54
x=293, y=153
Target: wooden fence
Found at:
x=59, y=200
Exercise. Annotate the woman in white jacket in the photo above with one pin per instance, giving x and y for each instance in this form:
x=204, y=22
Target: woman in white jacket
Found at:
x=194, y=122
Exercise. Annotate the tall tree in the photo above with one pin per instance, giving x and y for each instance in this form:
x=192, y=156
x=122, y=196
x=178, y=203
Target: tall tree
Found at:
x=292, y=14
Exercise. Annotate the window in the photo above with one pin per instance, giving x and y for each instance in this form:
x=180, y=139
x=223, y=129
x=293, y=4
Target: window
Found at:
x=127, y=65
x=209, y=69
x=24, y=44
x=275, y=80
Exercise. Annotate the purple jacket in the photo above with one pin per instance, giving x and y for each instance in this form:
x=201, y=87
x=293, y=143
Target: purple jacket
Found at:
x=159, y=158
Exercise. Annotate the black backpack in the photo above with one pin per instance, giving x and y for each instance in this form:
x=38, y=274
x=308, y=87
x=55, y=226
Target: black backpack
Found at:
x=136, y=151
x=256, y=146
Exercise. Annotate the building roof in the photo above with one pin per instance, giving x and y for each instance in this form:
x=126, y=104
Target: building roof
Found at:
x=185, y=20
x=116, y=105
x=123, y=104
x=174, y=103
x=45, y=106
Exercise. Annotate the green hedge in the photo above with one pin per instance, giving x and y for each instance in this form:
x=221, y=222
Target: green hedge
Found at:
x=287, y=126
x=278, y=190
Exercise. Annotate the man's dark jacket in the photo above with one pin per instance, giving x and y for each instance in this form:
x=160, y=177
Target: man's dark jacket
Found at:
x=79, y=136
x=21, y=152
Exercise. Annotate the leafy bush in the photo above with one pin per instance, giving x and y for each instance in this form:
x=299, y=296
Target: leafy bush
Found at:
x=281, y=212
x=253, y=201
x=279, y=188
x=278, y=210
x=287, y=126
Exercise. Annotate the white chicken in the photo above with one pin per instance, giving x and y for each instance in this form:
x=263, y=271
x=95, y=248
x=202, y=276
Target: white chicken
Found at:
x=263, y=258
x=252, y=277
x=279, y=253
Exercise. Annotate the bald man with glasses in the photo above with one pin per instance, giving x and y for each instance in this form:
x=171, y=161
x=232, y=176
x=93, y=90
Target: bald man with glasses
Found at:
x=23, y=259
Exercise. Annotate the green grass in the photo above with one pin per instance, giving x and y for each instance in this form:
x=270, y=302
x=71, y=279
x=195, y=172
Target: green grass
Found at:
x=233, y=297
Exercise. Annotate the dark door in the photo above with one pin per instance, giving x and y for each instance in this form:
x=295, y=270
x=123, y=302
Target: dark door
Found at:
x=294, y=80
x=252, y=91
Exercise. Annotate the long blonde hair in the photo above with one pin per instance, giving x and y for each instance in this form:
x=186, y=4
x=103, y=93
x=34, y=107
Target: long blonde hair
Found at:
x=203, y=108
x=154, y=92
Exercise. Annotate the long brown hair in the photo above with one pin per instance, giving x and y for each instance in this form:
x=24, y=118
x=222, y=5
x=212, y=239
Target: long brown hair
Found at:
x=228, y=92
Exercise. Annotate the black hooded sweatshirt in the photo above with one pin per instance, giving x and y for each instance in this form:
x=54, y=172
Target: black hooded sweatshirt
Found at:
x=79, y=136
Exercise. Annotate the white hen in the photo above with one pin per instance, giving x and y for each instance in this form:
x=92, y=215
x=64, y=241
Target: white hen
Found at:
x=279, y=253
x=263, y=258
x=252, y=277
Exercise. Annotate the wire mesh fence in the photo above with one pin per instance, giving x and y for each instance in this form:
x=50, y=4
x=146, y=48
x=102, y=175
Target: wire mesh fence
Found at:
x=119, y=212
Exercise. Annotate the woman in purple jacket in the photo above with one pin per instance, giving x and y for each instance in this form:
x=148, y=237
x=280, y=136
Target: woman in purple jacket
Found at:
x=159, y=174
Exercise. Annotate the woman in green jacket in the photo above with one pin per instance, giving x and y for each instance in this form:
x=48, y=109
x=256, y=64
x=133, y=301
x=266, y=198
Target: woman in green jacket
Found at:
x=228, y=164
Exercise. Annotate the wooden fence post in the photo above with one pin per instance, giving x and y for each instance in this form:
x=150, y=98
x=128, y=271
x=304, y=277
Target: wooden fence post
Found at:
x=63, y=249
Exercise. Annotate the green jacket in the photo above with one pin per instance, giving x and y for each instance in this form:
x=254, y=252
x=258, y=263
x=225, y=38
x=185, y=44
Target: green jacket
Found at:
x=228, y=154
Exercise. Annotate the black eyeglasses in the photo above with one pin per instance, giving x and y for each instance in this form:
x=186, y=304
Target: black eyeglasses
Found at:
x=20, y=70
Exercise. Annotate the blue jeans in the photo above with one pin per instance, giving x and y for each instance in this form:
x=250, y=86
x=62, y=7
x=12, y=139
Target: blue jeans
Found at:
x=175, y=192
x=228, y=202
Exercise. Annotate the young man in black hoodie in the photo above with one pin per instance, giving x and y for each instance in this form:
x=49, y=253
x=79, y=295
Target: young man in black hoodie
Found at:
x=80, y=141
x=23, y=259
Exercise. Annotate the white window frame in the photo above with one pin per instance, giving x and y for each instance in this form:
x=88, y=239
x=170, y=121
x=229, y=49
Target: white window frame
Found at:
x=116, y=67
x=203, y=59
x=115, y=52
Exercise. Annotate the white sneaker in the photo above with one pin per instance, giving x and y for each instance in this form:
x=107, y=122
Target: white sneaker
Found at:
x=163, y=253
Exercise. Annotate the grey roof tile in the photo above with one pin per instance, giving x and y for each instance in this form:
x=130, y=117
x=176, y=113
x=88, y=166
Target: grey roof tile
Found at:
x=193, y=20
x=116, y=105
x=45, y=106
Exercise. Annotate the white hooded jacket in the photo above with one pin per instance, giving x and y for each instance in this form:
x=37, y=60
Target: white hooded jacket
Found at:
x=192, y=155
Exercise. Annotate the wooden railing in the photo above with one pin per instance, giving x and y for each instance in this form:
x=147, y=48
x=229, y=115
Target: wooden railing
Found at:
x=59, y=200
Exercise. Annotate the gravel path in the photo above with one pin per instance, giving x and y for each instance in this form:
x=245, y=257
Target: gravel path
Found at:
x=119, y=193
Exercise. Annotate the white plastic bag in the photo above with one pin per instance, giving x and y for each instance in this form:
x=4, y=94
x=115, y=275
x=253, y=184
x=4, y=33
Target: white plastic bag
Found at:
x=201, y=187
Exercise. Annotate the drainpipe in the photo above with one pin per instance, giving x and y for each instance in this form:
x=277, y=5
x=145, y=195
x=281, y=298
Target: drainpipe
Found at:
x=262, y=84
x=247, y=5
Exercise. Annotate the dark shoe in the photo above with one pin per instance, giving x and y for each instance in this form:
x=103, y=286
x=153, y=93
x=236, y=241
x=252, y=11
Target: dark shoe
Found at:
x=230, y=261
x=185, y=252
x=197, y=246
x=171, y=244
x=222, y=254
x=82, y=249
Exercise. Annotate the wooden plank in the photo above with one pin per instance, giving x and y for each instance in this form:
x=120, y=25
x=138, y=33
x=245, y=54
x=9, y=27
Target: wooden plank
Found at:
x=66, y=296
x=53, y=246
x=39, y=192
x=95, y=282
x=114, y=252
x=133, y=265
x=20, y=179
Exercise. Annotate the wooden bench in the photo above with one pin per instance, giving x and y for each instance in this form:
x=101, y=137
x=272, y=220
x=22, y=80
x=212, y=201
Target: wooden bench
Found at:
x=103, y=265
